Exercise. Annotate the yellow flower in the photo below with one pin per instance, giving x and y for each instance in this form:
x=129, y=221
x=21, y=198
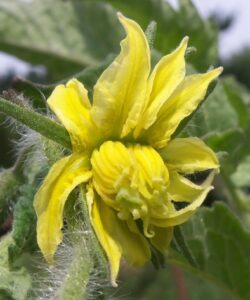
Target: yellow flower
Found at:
x=123, y=152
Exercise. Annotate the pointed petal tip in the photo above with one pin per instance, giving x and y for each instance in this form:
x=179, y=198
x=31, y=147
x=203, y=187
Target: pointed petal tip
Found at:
x=213, y=74
x=113, y=283
x=181, y=49
x=126, y=21
x=185, y=40
x=216, y=72
x=220, y=70
x=121, y=17
x=73, y=80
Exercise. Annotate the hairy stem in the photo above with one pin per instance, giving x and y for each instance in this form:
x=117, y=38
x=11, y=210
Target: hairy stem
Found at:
x=75, y=283
x=37, y=122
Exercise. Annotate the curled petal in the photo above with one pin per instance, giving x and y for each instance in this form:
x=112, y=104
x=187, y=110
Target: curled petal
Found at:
x=119, y=94
x=185, y=99
x=183, y=190
x=178, y=217
x=189, y=155
x=115, y=236
x=50, y=199
x=165, y=78
x=71, y=105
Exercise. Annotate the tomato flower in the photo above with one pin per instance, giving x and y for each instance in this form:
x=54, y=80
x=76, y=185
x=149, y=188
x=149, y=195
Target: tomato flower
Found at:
x=122, y=150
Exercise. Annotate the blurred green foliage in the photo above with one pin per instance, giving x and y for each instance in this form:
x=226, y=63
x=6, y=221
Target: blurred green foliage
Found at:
x=80, y=38
x=238, y=65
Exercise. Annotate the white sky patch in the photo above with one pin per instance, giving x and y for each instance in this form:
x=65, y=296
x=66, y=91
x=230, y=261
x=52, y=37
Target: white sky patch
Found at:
x=11, y=63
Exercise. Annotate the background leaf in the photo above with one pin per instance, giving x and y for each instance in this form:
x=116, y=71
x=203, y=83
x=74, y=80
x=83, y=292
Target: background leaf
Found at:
x=65, y=39
x=223, y=122
x=24, y=226
x=241, y=177
x=14, y=284
x=162, y=284
x=173, y=25
x=219, y=246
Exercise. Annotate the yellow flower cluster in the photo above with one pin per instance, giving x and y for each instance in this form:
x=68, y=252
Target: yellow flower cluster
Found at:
x=123, y=152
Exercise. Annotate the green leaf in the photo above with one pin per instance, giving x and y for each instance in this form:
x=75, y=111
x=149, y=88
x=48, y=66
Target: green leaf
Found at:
x=13, y=284
x=232, y=144
x=64, y=36
x=223, y=122
x=66, y=43
x=24, y=225
x=9, y=184
x=219, y=246
x=215, y=115
x=238, y=97
x=241, y=178
x=166, y=283
x=173, y=25
x=31, y=92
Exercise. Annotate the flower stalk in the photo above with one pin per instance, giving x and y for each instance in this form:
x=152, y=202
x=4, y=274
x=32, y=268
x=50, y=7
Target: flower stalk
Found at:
x=37, y=122
x=75, y=284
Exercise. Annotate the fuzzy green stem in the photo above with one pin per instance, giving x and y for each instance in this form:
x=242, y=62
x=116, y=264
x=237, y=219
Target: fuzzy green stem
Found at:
x=75, y=283
x=37, y=122
x=74, y=286
x=87, y=253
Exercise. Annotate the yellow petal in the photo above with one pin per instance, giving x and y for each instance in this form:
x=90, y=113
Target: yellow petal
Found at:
x=178, y=217
x=82, y=93
x=119, y=94
x=162, y=238
x=135, y=247
x=189, y=155
x=71, y=105
x=49, y=201
x=182, y=103
x=115, y=236
x=182, y=189
x=166, y=76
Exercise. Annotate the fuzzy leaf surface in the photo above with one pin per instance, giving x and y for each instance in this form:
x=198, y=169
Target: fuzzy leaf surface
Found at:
x=24, y=226
x=217, y=247
x=14, y=284
x=63, y=42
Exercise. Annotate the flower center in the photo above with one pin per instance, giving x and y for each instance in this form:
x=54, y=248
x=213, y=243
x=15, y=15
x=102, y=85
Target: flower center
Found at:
x=133, y=180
